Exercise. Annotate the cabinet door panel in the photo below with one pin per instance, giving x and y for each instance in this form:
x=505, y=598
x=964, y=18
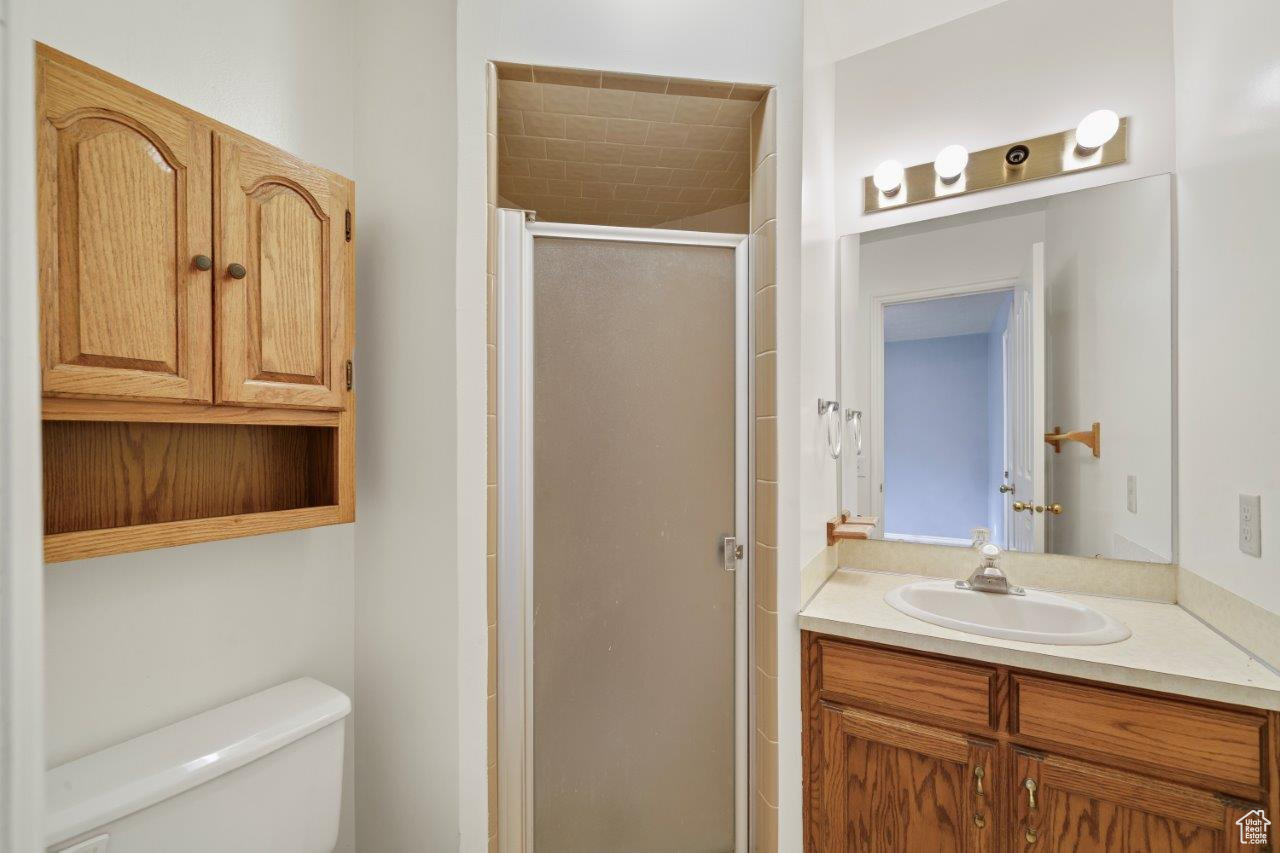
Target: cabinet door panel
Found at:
x=125, y=200
x=891, y=786
x=1077, y=806
x=282, y=327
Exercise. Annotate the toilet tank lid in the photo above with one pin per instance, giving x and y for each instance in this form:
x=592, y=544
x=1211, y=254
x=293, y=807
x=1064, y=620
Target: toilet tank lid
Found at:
x=105, y=786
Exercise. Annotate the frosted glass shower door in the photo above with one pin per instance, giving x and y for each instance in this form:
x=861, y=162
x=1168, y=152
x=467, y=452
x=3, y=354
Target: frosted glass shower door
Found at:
x=634, y=652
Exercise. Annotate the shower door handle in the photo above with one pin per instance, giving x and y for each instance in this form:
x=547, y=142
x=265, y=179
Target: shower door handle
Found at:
x=732, y=553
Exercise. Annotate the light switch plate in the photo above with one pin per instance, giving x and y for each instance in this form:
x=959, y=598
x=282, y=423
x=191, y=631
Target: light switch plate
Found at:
x=1133, y=493
x=98, y=844
x=1251, y=525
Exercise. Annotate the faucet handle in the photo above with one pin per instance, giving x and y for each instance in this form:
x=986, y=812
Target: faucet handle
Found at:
x=990, y=552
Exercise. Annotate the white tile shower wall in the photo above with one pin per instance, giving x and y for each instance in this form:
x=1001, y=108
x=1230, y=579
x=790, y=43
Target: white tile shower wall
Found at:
x=142, y=640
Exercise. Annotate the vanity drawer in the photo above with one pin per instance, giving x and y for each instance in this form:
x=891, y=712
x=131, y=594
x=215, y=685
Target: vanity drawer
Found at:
x=890, y=681
x=1207, y=744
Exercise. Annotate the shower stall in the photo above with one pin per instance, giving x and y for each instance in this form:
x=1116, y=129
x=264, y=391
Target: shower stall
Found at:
x=624, y=464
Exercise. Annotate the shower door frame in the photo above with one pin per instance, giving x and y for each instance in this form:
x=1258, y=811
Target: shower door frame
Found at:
x=513, y=300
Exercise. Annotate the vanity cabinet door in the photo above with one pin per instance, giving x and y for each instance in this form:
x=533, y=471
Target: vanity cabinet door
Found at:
x=884, y=785
x=283, y=279
x=1065, y=805
x=124, y=204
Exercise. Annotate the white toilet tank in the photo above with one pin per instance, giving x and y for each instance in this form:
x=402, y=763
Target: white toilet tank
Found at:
x=260, y=775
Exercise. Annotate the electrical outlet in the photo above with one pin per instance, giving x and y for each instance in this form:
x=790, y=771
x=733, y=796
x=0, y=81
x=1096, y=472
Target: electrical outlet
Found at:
x=1251, y=525
x=1133, y=493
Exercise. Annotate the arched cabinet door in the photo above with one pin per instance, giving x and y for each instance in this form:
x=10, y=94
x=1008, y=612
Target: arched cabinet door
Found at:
x=124, y=207
x=282, y=279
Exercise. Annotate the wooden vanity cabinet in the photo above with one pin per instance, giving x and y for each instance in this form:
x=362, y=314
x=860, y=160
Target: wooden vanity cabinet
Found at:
x=897, y=743
x=1063, y=805
x=197, y=296
x=894, y=785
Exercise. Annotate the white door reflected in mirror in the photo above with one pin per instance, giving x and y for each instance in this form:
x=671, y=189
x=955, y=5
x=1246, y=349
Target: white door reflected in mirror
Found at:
x=987, y=331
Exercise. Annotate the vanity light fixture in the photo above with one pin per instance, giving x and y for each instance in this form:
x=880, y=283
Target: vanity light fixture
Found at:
x=957, y=171
x=951, y=162
x=888, y=177
x=1095, y=130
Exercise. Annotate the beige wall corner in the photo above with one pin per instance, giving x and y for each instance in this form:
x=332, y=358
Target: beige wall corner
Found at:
x=1238, y=619
x=815, y=574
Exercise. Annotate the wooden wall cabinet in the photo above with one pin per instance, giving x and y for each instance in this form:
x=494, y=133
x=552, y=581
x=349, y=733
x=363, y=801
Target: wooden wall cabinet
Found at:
x=197, y=293
x=909, y=752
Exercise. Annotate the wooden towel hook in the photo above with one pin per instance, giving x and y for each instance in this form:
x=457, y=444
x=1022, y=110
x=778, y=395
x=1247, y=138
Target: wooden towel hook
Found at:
x=849, y=526
x=1090, y=438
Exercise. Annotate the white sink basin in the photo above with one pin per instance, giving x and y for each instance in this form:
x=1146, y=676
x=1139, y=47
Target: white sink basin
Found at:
x=1037, y=617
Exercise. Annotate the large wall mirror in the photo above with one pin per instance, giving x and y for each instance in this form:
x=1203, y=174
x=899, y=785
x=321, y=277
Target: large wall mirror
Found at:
x=971, y=342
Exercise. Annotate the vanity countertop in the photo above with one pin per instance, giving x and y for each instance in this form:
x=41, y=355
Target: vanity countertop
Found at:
x=1170, y=651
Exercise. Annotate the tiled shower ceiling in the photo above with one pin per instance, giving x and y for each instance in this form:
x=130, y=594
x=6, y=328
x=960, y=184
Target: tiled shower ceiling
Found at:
x=620, y=149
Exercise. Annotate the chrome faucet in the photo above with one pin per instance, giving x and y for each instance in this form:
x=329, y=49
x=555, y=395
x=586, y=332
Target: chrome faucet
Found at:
x=988, y=577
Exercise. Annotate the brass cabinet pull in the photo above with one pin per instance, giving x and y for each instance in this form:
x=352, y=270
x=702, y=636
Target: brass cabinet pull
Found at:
x=979, y=820
x=1021, y=506
x=1031, y=835
x=237, y=271
x=1030, y=785
x=978, y=773
x=204, y=263
x=1055, y=509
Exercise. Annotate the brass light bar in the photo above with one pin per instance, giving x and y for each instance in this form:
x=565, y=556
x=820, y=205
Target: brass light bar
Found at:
x=1043, y=157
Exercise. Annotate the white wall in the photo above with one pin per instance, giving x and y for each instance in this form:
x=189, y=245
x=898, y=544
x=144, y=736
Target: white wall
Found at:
x=141, y=640
x=1012, y=71
x=1109, y=285
x=852, y=26
x=408, y=571
x=21, y=576
x=752, y=42
x=1228, y=137
x=818, y=369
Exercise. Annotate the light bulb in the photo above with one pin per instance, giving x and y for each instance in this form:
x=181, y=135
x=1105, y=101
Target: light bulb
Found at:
x=951, y=162
x=1096, y=129
x=888, y=177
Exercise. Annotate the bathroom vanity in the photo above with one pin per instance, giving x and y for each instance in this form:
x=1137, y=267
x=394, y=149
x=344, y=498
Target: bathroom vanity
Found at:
x=919, y=737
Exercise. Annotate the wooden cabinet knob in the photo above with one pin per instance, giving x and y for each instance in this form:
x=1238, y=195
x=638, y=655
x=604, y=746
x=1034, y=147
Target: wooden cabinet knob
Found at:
x=237, y=271
x=203, y=262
